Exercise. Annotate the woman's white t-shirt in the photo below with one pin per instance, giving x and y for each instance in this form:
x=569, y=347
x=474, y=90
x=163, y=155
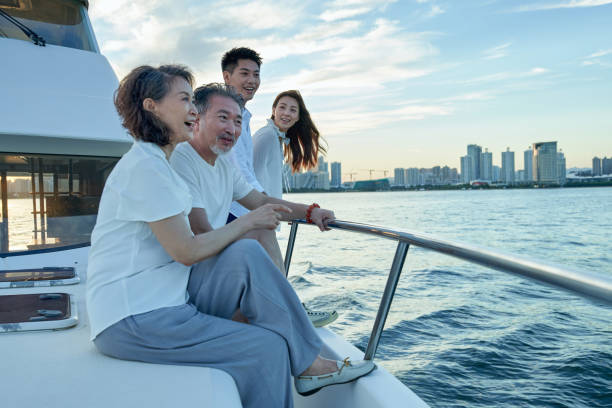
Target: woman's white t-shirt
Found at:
x=129, y=272
x=268, y=159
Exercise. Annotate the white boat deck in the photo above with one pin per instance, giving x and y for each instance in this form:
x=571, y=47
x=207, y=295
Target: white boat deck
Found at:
x=62, y=368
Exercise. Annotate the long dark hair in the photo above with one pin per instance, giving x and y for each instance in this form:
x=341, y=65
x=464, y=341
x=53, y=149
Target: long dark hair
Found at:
x=142, y=83
x=304, y=137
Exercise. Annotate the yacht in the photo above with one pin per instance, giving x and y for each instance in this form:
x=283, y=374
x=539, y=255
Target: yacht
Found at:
x=60, y=137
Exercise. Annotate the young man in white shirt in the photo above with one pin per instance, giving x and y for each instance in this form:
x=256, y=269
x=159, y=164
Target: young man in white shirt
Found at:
x=240, y=67
x=213, y=181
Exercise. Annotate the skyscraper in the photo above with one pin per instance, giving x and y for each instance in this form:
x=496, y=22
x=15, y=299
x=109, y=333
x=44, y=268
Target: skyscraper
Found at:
x=486, y=165
x=561, y=167
x=606, y=165
x=528, y=164
x=496, y=174
x=596, y=166
x=398, y=176
x=466, y=169
x=507, y=170
x=323, y=165
x=545, y=162
x=336, y=174
x=474, y=152
x=412, y=176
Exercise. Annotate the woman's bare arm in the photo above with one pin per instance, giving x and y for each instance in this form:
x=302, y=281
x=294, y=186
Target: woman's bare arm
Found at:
x=174, y=235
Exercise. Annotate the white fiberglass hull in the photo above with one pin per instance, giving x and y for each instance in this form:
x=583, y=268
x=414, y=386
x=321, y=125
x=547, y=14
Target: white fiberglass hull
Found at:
x=63, y=368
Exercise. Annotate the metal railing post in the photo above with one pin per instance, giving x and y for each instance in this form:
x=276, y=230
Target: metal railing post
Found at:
x=289, y=252
x=387, y=298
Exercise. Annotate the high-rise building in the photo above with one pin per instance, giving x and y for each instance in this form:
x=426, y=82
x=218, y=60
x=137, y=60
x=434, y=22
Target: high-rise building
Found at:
x=507, y=169
x=336, y=174
x=436, y=175
x=323, y=165
x=466, y=169
x=496, y=174
x=545, y=163
x=399, y=176
x=474, y=151
x=596, y=166
x=412, y=177
x=606, y=165
x=528, y=165
x=454, y=176
x=561, y=167
x=486, y=165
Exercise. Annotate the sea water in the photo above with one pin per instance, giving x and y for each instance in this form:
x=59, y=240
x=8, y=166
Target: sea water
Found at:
x=459, y=334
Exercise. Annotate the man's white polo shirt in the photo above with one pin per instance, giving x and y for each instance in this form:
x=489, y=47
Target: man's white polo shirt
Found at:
x=212, y=187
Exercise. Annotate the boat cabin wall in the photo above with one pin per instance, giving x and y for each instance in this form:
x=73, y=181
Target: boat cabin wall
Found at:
x=59, y=22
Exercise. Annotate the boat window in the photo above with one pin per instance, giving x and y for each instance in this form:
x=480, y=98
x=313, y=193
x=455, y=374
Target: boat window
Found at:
x=59, y=22
x=48, y=276
x=48, y=200
x=36, y=311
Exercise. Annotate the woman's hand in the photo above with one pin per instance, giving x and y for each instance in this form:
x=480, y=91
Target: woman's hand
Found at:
x=267, y=216
x=321, y=217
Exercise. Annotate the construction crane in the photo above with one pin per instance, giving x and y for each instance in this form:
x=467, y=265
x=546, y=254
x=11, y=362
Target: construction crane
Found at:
x=350, y=174
x=371, y=171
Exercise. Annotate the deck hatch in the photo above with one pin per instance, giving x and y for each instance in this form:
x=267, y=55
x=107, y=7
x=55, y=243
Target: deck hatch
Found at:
x=36, y=311
x=48, y=276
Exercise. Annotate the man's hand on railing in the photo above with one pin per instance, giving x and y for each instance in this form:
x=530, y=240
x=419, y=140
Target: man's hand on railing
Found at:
x=321, y=217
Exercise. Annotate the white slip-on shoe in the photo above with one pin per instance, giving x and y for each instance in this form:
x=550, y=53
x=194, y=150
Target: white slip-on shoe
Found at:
x=347, y=372
x=320, y=318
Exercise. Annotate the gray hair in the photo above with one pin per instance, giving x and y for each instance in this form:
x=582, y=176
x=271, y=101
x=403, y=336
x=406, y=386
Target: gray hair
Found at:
x=202, y=95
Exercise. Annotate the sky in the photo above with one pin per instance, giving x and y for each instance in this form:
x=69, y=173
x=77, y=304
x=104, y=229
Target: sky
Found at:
x=397, y=83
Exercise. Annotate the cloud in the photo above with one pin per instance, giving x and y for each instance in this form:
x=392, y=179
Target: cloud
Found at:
x=468, y=97
x=351, y=120
x=600, y=53
x=503, y=76
x=156, y=31
x=341, y=9
x=344, y=65
x=538, y=71
x=333, y=15
x=560, y=5
x=594, y=59
x=499, y=51
x=434, y=11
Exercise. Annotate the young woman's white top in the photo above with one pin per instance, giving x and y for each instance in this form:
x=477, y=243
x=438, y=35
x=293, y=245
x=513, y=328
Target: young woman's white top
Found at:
x=268, y=158
x=129, y=272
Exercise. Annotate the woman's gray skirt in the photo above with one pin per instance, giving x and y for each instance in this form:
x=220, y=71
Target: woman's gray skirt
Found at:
x=261, y=356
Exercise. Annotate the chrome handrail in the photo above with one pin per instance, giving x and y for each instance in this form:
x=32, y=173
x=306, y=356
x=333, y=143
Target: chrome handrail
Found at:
x=586, y=284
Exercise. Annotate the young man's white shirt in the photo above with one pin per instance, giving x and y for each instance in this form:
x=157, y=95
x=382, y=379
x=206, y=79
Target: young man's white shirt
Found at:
x=242, y=157
x=212, y=187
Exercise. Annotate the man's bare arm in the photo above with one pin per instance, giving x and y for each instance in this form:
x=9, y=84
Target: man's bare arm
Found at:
x=319, y=216
x=198, y=220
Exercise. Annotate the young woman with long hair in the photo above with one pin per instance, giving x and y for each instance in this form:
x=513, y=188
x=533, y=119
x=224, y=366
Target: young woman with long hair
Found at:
x=289, y=136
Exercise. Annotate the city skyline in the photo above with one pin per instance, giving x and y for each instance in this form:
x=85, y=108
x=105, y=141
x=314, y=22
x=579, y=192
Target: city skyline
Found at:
x=394, y=82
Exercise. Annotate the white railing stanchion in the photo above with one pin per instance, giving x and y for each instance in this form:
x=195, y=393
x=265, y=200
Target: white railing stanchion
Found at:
x=387, y=298
x=290, y=243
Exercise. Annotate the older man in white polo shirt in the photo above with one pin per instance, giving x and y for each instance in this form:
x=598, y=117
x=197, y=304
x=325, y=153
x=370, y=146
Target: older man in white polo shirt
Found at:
x=214, y=182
